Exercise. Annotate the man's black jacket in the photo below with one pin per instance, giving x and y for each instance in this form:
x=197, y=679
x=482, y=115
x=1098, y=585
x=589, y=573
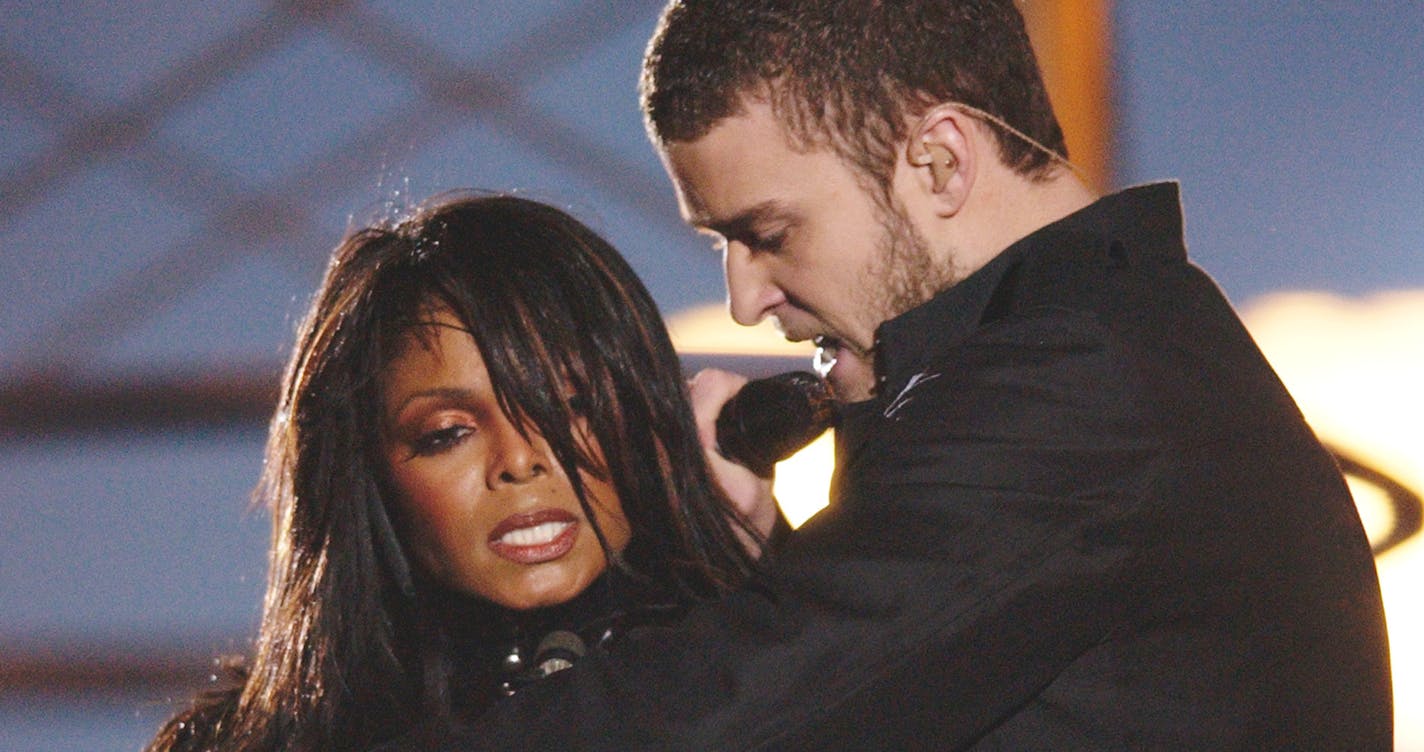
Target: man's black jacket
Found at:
x=1081, y=513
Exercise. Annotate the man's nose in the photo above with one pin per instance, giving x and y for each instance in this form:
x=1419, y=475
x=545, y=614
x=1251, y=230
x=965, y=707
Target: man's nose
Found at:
x=752, y=294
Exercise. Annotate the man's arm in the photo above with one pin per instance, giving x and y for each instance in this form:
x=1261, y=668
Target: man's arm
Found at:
x=976, y=547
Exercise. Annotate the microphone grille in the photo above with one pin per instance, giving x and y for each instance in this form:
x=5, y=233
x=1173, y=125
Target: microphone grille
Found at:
x=771, y=419
x=558, y=651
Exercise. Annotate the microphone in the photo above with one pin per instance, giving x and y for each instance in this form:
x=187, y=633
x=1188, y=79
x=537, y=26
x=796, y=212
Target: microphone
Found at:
x=556, y=652
x=771, y=419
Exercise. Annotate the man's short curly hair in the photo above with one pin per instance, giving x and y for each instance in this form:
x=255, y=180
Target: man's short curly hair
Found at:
x=848, y=74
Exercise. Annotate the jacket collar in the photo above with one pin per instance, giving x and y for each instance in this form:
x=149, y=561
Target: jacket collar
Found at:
x=1145, y=220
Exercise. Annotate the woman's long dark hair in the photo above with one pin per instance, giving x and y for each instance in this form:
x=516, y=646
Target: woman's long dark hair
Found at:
x=342, y=656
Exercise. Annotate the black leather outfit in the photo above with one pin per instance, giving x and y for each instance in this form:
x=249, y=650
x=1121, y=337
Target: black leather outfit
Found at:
x=497, y=652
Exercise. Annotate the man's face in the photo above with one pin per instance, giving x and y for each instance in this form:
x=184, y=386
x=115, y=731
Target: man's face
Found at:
x=803, y=241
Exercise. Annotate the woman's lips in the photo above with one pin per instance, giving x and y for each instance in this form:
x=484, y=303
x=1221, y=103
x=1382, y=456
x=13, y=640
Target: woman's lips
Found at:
x=534, y=537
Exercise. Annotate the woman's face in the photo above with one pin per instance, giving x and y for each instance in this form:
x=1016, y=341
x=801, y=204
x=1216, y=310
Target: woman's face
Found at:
x=485, y=510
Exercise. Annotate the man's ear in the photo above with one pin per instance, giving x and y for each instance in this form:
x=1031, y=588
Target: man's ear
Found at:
x=941, y=144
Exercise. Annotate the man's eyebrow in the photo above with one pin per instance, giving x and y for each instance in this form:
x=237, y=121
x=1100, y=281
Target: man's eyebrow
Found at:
x=743, y=221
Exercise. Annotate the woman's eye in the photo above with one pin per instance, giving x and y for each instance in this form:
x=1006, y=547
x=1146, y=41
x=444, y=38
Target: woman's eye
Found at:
x=435, y=442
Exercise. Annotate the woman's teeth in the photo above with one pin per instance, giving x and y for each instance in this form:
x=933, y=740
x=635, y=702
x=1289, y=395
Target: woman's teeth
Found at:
x=537, y=535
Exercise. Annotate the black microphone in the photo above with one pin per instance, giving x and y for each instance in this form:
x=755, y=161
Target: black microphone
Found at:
x=771, y=419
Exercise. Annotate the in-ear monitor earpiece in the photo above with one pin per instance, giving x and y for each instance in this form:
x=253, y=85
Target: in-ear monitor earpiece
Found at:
x=941, y=162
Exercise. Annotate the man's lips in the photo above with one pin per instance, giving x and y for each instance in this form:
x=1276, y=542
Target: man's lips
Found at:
x=849, y=373
x=534, y=537
x=827, y=348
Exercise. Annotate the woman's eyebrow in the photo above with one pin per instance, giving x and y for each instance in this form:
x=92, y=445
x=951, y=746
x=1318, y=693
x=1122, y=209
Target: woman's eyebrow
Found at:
x=451, y=393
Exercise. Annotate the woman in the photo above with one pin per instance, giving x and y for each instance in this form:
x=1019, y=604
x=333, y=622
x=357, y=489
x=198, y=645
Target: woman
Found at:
x=483, y=439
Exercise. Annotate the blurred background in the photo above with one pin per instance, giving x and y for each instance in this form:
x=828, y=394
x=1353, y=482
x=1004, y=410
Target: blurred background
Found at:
x=174, y=174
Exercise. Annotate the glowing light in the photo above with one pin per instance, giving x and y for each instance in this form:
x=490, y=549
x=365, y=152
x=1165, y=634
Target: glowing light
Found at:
x=803, y=481
x=709, y=330
x=1355, y=368
x=1376, y=512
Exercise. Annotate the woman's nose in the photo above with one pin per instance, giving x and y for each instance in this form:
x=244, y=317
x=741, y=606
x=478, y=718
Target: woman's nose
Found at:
x=517, y=457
